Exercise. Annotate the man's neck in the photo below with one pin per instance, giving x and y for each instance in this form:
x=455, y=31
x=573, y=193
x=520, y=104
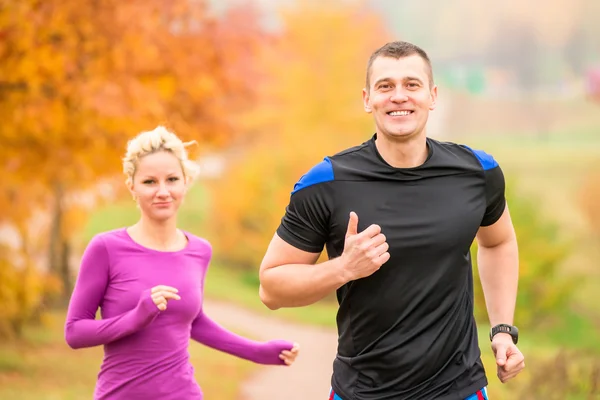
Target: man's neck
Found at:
x=406, y=153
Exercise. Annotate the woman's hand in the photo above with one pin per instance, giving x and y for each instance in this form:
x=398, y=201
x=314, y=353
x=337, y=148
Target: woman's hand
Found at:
x=162, y=294
x=289, y=356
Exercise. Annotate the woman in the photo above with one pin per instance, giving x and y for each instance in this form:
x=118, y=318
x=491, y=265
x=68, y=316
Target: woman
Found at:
x=148, y=280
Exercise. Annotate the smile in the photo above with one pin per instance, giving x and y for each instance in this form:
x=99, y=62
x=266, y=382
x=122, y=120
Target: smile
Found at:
x=400, y=113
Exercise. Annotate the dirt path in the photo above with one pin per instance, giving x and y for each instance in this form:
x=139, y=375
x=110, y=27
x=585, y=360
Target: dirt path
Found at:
x=309, y=377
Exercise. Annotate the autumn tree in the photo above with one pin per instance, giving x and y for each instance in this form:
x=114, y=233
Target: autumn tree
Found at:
x=310, y=107
x=23, y=287
x=77, y=79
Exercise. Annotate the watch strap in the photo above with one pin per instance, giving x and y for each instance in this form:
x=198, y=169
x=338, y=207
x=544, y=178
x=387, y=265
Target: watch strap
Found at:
x=513, y=331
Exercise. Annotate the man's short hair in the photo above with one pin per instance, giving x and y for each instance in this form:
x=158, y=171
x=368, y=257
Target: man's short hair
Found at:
x=398, y=50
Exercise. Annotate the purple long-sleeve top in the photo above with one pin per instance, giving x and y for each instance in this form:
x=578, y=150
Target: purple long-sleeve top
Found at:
x=145, y=349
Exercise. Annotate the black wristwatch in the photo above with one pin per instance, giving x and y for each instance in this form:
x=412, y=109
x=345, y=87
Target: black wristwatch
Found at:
x=513, y=331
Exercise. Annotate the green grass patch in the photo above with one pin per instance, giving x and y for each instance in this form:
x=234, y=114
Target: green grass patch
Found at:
x=575, y=331
x=9, y=362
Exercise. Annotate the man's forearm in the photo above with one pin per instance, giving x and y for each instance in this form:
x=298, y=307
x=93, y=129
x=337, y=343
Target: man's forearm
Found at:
x=297, y=285
x=499, y=273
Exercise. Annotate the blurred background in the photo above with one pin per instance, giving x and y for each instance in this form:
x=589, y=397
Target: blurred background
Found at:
x=268, y=88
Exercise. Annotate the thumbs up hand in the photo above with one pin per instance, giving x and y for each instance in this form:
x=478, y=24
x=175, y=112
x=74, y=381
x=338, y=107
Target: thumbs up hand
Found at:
x=364, y=252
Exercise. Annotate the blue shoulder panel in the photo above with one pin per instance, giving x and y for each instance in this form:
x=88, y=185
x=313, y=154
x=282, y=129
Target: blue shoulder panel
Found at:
x=322, y=172
x=485, y=159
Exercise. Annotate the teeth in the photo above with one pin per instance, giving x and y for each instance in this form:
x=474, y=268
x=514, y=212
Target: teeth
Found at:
x=399, y=113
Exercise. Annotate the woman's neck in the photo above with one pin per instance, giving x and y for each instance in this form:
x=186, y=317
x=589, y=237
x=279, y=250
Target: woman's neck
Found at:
x=157, y=235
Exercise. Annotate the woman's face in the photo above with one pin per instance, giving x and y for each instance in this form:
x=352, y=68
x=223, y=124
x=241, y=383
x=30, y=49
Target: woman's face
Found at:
x=159, y=185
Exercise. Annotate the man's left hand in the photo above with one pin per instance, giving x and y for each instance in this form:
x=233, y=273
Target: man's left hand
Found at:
x=509, y=359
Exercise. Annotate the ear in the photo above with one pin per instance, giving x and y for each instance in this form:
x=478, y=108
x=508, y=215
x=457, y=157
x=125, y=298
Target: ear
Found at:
x=187, y=184
x=434, y=96
x=366, y=100
x=129, y=184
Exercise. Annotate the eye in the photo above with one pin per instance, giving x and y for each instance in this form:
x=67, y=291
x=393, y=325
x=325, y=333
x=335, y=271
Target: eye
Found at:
x=385, y=86
x=413, y=85
x=173, y=179
x=148, y=182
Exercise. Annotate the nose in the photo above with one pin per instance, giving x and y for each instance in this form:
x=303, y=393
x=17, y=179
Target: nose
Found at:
x=162, y=191
x=399, y=95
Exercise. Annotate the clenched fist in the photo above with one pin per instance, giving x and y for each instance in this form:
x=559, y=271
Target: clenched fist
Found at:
x=289, y=356
x=364, y=252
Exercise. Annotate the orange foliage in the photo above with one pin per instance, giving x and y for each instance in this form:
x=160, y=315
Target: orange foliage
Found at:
x=78, y=78
x=310, y=107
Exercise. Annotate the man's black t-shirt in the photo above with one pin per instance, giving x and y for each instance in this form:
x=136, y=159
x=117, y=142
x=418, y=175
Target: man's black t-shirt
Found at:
x=407, y=331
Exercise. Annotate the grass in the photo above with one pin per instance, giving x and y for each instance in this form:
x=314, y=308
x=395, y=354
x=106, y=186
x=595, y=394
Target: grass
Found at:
x=43, y=367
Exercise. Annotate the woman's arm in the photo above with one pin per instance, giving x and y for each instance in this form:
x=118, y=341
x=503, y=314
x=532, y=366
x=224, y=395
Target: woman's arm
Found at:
x=211, y=334
x=81, y=327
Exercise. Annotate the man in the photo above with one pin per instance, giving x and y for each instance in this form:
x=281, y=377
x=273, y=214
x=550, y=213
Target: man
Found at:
x=398, y=215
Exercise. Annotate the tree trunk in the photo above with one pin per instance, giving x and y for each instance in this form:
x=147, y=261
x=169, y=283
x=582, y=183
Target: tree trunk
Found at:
x=65, y=270
x=59, y=248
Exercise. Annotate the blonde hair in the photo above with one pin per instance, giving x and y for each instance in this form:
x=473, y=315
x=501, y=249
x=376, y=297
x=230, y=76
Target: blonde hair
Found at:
x=159, y=139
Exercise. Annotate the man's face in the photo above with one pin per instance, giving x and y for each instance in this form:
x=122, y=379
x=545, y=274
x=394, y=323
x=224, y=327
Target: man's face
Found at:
x=399, y=96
